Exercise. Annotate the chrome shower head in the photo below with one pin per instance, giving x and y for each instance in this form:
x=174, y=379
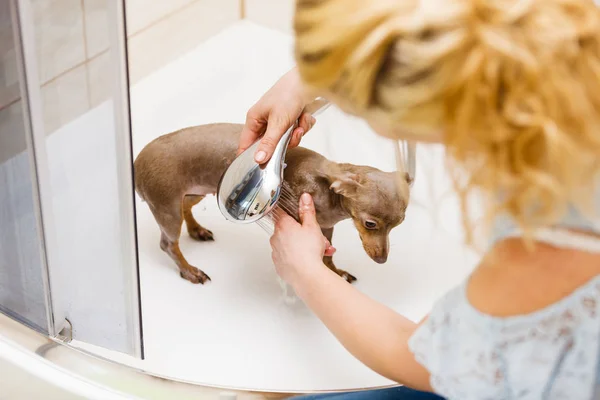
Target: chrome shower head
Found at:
x=248, y=191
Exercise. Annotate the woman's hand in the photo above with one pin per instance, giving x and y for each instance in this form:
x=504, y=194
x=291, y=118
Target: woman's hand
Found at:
x=273, y=115
x=299, y=248
x=373, y=333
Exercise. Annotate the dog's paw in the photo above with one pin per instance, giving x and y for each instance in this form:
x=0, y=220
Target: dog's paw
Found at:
x=348, y=277
x=201, y=234
x=195, y=276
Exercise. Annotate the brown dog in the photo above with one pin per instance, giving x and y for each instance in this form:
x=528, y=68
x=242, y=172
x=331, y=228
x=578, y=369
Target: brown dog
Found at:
x=176, y=171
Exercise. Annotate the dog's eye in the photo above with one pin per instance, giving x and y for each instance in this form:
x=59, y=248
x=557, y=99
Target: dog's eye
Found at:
x=370, y=224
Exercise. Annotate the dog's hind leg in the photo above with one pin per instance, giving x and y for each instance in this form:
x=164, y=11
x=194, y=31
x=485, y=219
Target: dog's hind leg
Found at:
x=195, y=230
x=170, y=220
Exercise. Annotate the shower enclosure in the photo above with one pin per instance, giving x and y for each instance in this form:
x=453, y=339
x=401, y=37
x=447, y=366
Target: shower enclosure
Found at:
x=84, y=85
x=68, y=234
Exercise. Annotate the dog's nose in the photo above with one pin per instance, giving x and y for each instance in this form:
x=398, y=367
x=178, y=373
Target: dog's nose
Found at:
x=380, y=259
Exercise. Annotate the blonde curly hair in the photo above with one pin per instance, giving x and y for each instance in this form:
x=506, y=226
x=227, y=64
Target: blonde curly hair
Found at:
x=513, y=85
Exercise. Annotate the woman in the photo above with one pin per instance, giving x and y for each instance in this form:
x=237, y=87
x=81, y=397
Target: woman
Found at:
x=512, y=88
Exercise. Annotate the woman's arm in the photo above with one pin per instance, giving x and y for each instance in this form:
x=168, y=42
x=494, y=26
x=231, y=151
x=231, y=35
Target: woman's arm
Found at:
x=372, y=332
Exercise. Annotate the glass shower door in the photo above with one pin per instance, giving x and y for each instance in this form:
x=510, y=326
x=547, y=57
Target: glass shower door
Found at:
x=71, y=57
x=23, y=273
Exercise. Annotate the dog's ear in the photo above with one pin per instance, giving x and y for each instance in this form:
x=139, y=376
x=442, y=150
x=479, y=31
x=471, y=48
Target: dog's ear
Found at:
x=345, y=183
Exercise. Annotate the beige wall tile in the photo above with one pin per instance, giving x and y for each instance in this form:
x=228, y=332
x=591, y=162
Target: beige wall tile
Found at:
x=59, y=36
x=143, y=13
x=99, y=78
x=65, y=98
x=276, y=14
x=96, y=26
x=172, y=37
x=9, y=76
x=12, y=129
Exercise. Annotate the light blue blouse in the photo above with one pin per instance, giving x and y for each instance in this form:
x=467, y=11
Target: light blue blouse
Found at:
x=553, y=353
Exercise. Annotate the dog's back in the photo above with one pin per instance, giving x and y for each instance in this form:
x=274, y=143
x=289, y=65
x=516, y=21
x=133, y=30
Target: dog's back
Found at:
x=191, y=159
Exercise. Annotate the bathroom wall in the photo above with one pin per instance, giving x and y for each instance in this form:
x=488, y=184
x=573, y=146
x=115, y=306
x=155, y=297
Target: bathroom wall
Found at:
x=72, y=47
x=72, y=50
x=275, y=14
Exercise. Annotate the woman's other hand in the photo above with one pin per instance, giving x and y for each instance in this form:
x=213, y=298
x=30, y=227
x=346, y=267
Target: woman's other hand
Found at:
x=298, y=248
x=372, y=332
x=274, y=114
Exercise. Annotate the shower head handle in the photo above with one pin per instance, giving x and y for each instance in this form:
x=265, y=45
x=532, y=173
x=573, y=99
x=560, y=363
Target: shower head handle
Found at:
x=248, y=191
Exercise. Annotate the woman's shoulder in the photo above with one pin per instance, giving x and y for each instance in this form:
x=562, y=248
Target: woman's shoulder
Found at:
x=510, y=325
x=513, y=279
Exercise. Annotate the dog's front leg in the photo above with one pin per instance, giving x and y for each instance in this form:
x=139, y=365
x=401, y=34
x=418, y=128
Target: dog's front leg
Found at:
x=328, y=260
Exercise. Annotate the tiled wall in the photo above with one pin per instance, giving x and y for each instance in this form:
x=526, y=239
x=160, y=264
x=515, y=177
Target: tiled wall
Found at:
x=276, y=14
x=72, y=45
x=12, y=128
x=162, y=30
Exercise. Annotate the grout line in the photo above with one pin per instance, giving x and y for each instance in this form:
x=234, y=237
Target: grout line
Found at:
x=87, y=55
x=161, y=19
x=242, y=9
x=10, y=103
x=83, y=21
x=49, y=81
x=82, y=63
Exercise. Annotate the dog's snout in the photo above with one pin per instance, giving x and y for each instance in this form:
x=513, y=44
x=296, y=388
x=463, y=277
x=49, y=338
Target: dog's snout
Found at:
x=376, y=247
x=380, y=259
